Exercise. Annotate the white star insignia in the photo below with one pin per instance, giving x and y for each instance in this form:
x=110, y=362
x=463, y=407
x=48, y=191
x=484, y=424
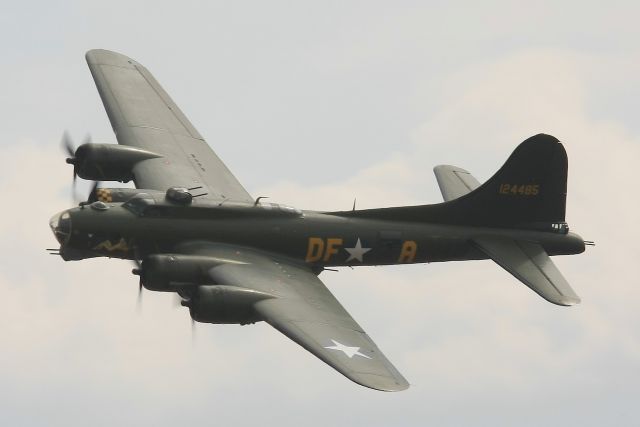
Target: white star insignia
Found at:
x=357, y=252
x=348, y=351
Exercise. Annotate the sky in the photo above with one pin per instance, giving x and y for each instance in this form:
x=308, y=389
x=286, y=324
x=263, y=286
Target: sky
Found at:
x=315, y=104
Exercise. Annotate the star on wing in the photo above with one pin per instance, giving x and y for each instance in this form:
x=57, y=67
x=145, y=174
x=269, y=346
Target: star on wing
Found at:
x=348, y=351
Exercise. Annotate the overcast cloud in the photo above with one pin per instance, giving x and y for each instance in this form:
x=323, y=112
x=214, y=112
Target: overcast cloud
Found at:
x=313, y=104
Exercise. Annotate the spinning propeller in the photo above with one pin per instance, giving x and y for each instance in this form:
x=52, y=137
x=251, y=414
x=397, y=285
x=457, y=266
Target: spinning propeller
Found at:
x=180, y=298
x=184, y=299
x=70, y=149
x=137, y=260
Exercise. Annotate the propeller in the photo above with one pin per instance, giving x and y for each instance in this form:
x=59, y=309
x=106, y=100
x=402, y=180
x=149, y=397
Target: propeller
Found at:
x=70, y=149
x=184, y=299
x=136, y=271
x=67, y=145
x=139, y=300
x=93, y=194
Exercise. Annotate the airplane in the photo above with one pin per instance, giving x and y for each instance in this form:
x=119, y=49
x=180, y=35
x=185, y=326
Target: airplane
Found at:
x=193, y=229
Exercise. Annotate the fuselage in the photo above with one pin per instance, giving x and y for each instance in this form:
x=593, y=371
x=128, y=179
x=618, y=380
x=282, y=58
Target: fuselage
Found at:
x=315, y=238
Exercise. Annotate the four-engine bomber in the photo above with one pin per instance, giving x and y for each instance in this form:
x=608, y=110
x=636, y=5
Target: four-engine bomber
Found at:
x=192, y=228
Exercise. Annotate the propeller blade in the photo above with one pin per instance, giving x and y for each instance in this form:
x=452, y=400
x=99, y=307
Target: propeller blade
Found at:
x=67, y=144
x=93, y=194
x=193, y=331
x=139, y=301
x=74, y=192
x=69, y=148
x=138, y=272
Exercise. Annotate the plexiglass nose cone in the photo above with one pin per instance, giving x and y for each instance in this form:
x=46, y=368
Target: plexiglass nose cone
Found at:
x=60, y=224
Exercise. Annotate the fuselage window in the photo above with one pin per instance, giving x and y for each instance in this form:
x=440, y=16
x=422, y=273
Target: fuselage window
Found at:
x=138, y=204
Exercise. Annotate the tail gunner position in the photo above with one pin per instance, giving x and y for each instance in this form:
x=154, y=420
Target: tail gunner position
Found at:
x=193, y=229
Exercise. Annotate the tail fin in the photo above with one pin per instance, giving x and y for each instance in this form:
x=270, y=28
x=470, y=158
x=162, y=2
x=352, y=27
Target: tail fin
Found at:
x=529, y=191
x=530, y=188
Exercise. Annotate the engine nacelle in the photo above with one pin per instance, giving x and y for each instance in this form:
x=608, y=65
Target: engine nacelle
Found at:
x=173, y=272
x=208, y=302
x=225, y=304
x=108, y=162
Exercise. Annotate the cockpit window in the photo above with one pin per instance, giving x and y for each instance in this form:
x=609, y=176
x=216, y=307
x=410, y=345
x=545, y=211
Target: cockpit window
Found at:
x=288, y=210
x=139, y=203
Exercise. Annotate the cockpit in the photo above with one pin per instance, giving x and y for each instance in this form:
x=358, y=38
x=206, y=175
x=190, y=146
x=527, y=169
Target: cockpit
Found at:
x=60, y=224
x=283, y=209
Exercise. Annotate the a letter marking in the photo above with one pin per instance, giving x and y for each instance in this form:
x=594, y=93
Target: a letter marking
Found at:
x=332, y=244
x=315, y=249
x=408, y=252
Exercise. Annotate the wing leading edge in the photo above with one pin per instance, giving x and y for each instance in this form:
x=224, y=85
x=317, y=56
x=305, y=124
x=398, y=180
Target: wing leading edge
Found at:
x=143, y=115
x=304, y=310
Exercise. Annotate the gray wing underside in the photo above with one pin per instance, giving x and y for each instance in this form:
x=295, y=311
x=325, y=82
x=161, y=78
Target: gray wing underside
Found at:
x=454, y=181
x=306, y=311
x=529, y=263
x=143, y=115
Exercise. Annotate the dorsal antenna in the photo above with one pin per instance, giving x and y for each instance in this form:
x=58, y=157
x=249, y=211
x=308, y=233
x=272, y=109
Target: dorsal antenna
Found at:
x=258, y=200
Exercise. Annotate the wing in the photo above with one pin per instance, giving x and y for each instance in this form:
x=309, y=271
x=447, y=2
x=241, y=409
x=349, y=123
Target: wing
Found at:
x=454, y=181
x=529, y=263
x=305, y=311
x=143, y=115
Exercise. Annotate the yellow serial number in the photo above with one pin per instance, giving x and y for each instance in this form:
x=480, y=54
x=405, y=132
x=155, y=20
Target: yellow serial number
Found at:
x=520, y=189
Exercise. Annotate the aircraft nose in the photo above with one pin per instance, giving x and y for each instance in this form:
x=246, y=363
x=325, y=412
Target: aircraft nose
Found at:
x=60, y=224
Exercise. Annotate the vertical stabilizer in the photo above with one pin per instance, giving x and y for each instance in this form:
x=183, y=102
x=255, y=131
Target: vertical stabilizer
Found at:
x=529, y=191
x=530, y=188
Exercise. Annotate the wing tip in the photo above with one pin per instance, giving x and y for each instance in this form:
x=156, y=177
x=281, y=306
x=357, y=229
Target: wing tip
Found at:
x=108, y=57
x=447, y=168
x=568, y=301
x=379, y=382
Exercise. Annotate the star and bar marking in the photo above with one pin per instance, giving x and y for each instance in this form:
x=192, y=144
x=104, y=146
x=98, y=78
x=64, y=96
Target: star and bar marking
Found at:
x=347, y=350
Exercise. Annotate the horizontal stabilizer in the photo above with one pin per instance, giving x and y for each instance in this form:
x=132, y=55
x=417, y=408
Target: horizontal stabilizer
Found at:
x=454, y=181
x=529, y=263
